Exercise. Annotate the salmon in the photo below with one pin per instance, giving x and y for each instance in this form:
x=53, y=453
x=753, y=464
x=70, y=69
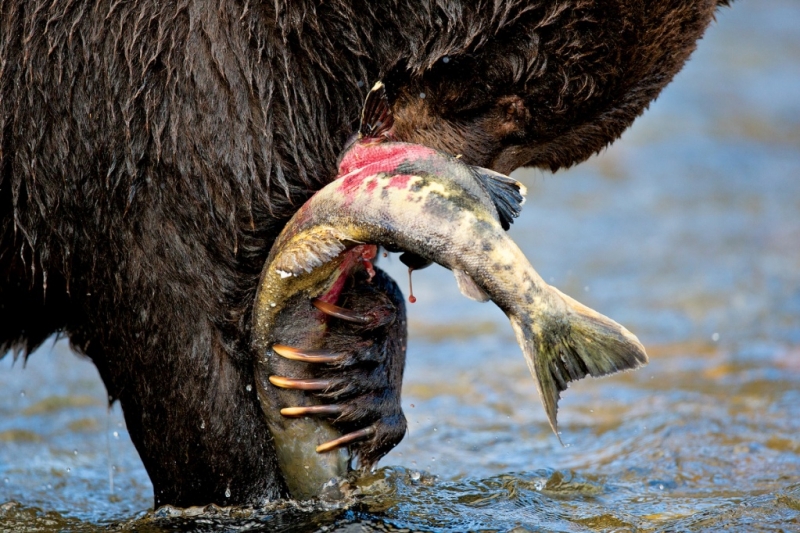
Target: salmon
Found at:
x=409, y=197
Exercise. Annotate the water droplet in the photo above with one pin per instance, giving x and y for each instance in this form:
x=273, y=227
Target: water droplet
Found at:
x=5, y=480
x=74, y=452
x=715, y=337
x=360, y=83
x=586, y=289
x=116, y=434
x=202, y=424
x=422, y=95
x=415, y=476
x=445, y=59
x=434, y=429
x=69, y=470
x=249, y=388
x=591, y=410
x=272, y=304
x=22, y=394
x=49, y=486
x=228, y=492
x=660, y=486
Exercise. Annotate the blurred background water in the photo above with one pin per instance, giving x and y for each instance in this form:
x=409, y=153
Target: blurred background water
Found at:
x=687, y=231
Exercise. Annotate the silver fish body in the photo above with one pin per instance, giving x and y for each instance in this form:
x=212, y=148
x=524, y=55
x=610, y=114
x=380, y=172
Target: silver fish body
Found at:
x=438, y=218
x=409, y=197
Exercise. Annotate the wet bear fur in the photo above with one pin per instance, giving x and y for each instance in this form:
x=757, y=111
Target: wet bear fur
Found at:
x=151, y=151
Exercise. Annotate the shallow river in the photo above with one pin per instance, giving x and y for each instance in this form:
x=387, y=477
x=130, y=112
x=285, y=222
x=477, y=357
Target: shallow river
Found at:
x=687, y=231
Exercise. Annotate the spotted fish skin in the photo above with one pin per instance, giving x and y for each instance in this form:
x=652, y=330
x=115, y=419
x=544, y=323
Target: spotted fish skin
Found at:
x=314, y=255
x=434, y=216
x=409, y=197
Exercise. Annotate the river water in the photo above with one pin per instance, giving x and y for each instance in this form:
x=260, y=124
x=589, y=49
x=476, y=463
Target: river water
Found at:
x=687, y=231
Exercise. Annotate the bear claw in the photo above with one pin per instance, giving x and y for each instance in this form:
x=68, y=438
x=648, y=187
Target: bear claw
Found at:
x=377, y=316
x=341, y=312
x=300, y=384
x=307, y=356
x=333, y=409
x=346, y=439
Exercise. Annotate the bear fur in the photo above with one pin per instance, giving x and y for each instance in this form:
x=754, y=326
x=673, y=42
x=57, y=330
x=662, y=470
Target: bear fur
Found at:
x=151, y=151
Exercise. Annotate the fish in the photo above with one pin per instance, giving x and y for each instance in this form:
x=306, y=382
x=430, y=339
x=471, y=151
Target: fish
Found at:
x=409, y=197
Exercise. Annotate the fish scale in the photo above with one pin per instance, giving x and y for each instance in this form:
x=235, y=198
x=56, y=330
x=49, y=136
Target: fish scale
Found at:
x=439, y=220
x=443, y=210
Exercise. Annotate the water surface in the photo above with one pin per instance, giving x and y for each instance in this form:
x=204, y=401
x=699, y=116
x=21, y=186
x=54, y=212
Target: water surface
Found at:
x=687, y=231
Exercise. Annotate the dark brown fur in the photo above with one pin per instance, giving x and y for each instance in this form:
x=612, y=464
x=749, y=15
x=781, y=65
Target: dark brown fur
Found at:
x=151, y=151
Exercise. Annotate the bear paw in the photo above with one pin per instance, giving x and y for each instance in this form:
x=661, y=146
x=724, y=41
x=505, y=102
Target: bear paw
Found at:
x=355, y=378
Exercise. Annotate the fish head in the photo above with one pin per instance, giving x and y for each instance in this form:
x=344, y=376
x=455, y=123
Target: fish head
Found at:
x=371, y=156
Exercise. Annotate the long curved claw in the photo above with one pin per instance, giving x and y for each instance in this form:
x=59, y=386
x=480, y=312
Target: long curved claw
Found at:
x=341, y=312
x=300, y=384
x=307, y=356
x=346, y=439
x=312, y=410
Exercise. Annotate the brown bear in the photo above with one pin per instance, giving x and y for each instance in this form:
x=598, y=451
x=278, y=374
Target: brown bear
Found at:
x=151, y=151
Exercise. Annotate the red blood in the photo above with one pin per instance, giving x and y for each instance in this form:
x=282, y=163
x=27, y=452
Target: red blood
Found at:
x=370, y=269
x=372, y=157
x=351, y=259
x=411, y=297
x=349, y=184
x=399, y=182
x=369, y=251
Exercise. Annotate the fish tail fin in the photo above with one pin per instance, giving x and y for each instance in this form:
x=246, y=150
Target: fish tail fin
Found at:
x=569, y=346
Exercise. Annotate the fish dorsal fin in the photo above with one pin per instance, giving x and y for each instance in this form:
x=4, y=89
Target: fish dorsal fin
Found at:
x=318, y=246
x=376, y=117
x=468, y=287
x=507, y=194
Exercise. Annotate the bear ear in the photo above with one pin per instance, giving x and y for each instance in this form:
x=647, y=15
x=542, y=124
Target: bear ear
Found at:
x=376, y=117
x=507, y=194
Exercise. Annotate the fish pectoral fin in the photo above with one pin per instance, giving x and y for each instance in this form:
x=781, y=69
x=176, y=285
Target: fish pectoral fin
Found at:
x=377, y=119
x=507, y=194
x=316, y=247
x=468, y=287
x=568, y=346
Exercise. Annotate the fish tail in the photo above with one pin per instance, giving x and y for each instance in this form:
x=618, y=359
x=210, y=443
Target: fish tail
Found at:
x=564, y=347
